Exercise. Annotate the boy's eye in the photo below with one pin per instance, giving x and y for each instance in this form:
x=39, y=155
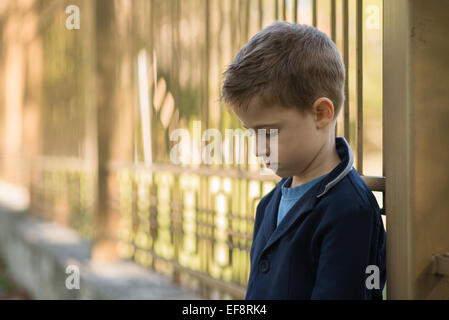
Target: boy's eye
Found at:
x=272, y=133
x=261, y=132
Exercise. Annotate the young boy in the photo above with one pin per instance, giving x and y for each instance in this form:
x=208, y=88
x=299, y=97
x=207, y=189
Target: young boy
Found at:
x=318, y=234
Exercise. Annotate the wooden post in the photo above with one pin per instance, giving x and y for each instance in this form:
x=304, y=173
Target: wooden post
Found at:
x=106, y=62
x=416, y=157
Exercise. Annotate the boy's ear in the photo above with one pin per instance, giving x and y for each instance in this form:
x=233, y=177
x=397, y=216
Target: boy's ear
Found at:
x=323, y=112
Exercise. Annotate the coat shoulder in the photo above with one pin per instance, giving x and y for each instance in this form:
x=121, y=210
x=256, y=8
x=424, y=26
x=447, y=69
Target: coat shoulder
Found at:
x=351, y=196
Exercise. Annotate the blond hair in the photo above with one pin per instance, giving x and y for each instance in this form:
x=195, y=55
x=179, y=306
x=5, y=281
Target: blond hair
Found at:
x=286, y=64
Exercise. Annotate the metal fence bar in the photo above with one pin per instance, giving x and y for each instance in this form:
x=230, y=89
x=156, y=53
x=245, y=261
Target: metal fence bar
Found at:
x=334, y=36
x=375, y=183
x=205, y=171
x=314, y=13
x=346, y=62
x=284, y=10
x=75, y=164
x=359, y=46
x=276, y=9
x=333, y=22
x=295, y=9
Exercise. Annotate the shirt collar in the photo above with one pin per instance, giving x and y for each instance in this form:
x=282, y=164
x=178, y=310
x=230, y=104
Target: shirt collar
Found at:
x=295, y=192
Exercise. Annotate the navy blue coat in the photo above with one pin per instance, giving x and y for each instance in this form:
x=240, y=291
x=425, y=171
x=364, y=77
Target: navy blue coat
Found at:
x=324, y=244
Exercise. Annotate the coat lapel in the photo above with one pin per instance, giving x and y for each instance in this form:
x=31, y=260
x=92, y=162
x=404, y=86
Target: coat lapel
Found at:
x=270, y=216
x=299, y=211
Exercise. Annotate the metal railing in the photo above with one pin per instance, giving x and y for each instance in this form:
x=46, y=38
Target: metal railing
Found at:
x=194, y=223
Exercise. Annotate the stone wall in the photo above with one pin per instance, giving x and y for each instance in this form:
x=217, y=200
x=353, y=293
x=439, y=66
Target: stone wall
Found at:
x=37, y=254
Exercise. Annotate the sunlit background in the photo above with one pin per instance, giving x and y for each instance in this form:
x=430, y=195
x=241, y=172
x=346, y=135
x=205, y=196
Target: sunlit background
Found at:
x=86, y=117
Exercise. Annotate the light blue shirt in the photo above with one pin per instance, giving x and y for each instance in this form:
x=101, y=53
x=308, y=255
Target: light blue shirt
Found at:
x=291, y=195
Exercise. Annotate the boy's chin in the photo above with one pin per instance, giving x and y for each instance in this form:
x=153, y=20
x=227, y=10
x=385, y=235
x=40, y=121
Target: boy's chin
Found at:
x=279, y=172
x=282, y=174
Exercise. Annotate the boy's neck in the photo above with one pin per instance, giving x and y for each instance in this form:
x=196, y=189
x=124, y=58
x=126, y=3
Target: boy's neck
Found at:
x=324, y=162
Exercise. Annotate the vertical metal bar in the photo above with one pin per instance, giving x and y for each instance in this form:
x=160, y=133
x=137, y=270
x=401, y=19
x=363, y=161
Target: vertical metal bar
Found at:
x=314, y=13
x=260, y=14
x=284, y=10
x=233, y=29
x=295, y=9
x=105, y=29
x=346, y=61
x=333, y=22
x=334, y=37
x=240, y=22
x=90, y=96
x=220, y=50
x=205, y=102
x=247, y=19
x=359, y=48
x=336, y=129
x=177, y=43
x=276, y=9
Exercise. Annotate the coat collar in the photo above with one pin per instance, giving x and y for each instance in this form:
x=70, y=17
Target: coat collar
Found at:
x=341, y=170
x=306, y=203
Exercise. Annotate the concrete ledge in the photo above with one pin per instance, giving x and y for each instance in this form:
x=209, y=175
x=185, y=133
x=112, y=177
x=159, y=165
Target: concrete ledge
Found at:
x=38, y=252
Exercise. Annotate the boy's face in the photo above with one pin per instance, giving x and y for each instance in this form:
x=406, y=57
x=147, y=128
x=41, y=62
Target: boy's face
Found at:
x=299, y=137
